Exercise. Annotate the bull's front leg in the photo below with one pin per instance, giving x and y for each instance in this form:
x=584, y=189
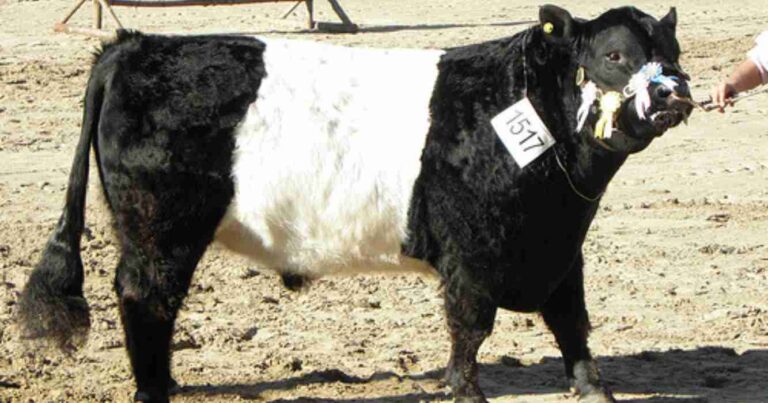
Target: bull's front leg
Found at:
x=470, y=318
x=566, y=316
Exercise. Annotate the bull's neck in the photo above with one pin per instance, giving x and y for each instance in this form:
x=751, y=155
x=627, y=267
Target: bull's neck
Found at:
x=586, y=165
x=477, y=82
x=587, y=170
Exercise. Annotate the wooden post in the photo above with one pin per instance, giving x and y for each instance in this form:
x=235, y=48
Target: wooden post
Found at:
x=99, y=5
x=111, y=13
x=72, y=12
x=96, y=14
x=340, y=12
x=298, y=3
x=311, y=15
x=98, y=33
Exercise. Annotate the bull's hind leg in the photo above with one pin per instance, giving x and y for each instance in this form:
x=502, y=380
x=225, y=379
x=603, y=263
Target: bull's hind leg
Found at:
x=566, y=316
x=151, y=287
x=470, y=318
x=164, y=234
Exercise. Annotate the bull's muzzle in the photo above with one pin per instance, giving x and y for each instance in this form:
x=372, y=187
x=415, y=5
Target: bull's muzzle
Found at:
x=671, y=106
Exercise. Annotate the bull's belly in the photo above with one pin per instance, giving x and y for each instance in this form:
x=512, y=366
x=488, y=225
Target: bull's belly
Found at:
x=327, y=156
x=298, y=253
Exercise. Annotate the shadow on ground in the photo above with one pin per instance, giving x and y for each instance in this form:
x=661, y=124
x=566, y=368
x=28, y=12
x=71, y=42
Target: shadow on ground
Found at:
x=398, y=27
x=706, y=374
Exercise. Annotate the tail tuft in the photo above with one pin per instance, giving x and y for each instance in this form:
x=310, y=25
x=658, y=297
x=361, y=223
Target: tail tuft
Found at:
x=52, y=306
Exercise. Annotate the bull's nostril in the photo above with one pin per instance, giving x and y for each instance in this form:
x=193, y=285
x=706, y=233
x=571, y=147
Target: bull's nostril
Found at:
x=663, y=92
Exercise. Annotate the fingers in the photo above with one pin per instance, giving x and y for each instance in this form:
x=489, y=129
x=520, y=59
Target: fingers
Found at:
x=718, y=97
x=714, y=95
x=722, y=95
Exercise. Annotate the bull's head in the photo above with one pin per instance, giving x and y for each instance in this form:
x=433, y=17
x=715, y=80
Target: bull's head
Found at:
x=618, y=47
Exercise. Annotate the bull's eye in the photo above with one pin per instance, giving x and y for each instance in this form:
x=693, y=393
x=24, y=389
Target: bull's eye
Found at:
x=613, y=57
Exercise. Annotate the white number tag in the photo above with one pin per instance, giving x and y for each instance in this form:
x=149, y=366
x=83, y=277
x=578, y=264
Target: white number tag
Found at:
x=522, y=132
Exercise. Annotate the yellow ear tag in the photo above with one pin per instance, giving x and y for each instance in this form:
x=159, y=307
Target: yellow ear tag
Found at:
x=609, y=104
x=548, y=27
x=580, y=76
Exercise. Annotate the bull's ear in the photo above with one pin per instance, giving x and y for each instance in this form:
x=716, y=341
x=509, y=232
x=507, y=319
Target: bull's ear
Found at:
x=557, y=23
x=670, y=19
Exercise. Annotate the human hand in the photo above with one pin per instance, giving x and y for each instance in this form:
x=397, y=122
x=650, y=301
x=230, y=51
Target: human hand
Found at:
x=722, y=95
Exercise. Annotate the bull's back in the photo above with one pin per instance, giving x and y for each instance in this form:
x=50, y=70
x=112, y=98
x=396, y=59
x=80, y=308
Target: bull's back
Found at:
x=326, y=157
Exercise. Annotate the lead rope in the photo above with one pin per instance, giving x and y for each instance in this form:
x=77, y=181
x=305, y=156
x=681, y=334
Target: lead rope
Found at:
x=708, y=105
x=554, y=149
x=573, y=187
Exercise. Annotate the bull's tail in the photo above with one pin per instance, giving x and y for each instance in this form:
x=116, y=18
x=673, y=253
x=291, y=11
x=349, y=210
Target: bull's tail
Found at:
x=52, y=305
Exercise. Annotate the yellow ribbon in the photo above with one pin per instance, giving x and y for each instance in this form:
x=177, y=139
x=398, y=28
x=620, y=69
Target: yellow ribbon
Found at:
x=609, y=104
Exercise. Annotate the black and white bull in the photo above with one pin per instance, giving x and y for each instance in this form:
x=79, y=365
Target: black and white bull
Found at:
x=315, y=159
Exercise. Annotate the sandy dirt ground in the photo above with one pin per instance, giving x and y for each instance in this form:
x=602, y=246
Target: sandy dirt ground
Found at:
x=677, y=261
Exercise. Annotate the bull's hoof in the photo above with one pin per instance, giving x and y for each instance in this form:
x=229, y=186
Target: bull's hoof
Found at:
x=470, y=399
x=294, y=282
x=468, y=394
x=586, y=383
x=173, y=387
x=464, y=391
x=597, y=396
x=146, y=397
